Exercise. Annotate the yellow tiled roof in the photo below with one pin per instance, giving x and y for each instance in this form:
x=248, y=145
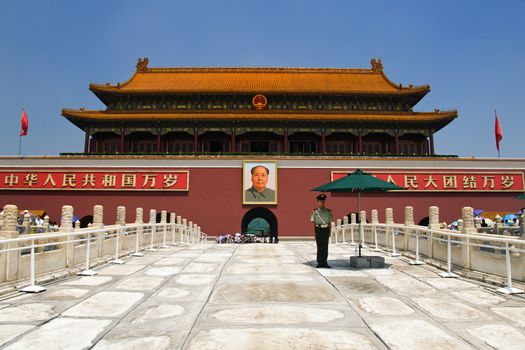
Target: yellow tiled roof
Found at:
x=259, y=80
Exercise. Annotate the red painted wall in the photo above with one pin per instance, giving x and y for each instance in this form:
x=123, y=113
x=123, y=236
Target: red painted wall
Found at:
x=214, y=201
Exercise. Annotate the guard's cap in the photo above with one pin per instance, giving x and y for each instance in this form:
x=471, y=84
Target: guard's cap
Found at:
x=321, y=197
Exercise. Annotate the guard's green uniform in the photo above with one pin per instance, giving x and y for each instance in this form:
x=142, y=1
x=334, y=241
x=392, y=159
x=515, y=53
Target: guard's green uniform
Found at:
x=322, y=219
x=252, y=195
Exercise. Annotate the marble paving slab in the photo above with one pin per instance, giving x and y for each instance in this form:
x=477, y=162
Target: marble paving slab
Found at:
x=105, y=304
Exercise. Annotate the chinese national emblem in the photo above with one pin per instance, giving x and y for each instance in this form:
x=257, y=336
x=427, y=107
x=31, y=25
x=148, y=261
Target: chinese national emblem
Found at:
x=259, y=102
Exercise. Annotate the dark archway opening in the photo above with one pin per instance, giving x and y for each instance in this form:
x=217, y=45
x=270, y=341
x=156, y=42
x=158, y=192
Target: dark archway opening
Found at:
x=424, y=221
x=86, y=220
x=255, y=218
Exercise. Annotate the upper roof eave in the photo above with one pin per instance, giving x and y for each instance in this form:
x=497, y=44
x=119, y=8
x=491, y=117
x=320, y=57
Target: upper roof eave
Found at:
x=253, y=80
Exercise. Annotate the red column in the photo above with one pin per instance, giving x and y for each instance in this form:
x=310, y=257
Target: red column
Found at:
x=323, y=141
x=360, y=142
x=121, y=147
x=285, y=141
x=233, y=147
x=195, y=140
x=432, y=152
x=158, y=150
x=86, y=141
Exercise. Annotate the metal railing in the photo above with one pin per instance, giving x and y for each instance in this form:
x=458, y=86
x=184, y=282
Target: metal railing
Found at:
x=487, y=253
x=127, y=239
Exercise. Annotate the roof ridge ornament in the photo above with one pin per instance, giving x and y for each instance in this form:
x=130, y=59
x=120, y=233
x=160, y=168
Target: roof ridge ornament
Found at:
x=142, y=64
x=377, y=65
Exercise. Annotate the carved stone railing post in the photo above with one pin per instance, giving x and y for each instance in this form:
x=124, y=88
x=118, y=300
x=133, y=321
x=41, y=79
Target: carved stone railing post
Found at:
x=173, y=231
x=66, y=225
x=345, y=230
x=195, y=234
x=338, y=231
x=362, y=221
x=185, y=230
x=98, y=223
x=139, y=220
x=467, y=216
x=11, y=259
x=522, y=225
x=409, y=221
x=433, y=218
x=163, y=216
x=46, y=224
x=332, y=232
x=77, y=225
x=26, y=224
x=374, y=216
x=153, y=220
x=121, y=215
x=98, y=216
x=389, y=216
x=179, y=238
x=1, y=220
x=190, y=232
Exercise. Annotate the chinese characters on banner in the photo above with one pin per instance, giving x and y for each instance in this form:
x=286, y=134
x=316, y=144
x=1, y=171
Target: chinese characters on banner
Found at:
x=95, y=180
x=453, y=181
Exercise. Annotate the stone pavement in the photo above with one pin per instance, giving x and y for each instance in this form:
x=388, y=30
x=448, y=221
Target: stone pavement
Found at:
x=262, y=296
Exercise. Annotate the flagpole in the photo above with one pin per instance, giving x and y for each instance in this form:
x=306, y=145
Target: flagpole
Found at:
x=19, y=144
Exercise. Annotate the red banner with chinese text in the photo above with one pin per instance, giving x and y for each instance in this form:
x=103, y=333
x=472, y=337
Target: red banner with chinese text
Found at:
x=95, y=180
x=450, y=181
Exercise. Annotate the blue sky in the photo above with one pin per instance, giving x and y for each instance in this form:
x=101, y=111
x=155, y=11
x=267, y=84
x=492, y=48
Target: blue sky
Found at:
x=472, y=53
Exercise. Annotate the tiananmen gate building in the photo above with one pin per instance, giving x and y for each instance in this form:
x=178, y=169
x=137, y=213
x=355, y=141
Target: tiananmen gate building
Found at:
x=189, y=139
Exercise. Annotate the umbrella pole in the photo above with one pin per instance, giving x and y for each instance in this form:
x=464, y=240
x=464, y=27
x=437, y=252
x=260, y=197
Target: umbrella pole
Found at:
x=358, y=203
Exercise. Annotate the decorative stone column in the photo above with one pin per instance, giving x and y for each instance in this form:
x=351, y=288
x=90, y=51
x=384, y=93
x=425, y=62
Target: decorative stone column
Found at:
x=374, y=217
x=338, y=231
x=121, y=215
x=98, y=216
x=433, y=218
x=46, y=223
x=345, y=230
x=139, y=220
x=362, y=221
x=163, y=216
x=10, y=260
x=152, y=216
x=185, y=230
x=153, y=220
x=139, y=216
x=26, y=224
x=77, y=225
x=409, y=216
x=191, y=237
x=1, y=220
x=467, y=215
x=353, y=218
x=332, y=232
x=467, y=218
x=196, y=233
x=178, y=237
x=522, y=225
x=66, y=221
x=66, y=225
x=389, y=216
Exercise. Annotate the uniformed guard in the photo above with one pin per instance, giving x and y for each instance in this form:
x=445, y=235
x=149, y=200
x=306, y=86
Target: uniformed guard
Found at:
x=321, y=218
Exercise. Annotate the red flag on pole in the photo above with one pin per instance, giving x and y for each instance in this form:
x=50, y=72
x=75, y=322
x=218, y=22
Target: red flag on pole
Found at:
x=497, y=130
x=24, y=124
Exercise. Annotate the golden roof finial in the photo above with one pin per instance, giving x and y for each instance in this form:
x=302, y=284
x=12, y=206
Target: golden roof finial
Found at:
x=142, y=64
x=377, y=65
